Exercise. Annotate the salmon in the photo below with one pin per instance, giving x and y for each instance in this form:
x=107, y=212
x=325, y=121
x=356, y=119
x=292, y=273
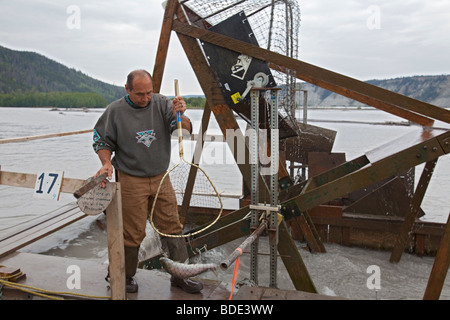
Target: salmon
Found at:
x=183, y=270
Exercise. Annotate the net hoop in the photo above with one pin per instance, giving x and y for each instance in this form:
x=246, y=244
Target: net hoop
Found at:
x=188, y=235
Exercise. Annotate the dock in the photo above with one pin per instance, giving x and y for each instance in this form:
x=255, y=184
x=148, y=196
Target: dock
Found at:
x=52, y=275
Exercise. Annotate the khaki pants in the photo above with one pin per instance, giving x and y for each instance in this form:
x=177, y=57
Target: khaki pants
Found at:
x=137, y=201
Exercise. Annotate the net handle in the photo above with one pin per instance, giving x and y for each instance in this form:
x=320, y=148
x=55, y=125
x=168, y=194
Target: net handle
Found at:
x=179, y=126
x=180, y=142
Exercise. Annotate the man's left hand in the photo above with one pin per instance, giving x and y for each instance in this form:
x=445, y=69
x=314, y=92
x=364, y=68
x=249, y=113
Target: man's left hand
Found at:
x=178, y=105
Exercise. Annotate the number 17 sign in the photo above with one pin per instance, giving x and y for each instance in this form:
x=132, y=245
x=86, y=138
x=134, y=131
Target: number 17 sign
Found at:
x=48, y=185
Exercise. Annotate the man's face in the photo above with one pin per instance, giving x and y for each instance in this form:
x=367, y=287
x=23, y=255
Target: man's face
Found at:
x=142, y=91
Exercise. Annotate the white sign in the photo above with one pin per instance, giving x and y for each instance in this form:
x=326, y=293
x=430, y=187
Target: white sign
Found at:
x=48, y=185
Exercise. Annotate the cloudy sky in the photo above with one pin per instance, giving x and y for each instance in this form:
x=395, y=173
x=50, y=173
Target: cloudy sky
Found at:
x=364, y=39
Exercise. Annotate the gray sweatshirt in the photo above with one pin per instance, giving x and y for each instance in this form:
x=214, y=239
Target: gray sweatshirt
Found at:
x=138, y=137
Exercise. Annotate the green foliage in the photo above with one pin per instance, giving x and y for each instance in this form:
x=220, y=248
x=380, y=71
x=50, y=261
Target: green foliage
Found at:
x=195, y=102
x=53, y=99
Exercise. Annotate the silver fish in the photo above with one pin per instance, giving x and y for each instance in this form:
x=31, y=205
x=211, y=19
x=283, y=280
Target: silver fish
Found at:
x=183, y=270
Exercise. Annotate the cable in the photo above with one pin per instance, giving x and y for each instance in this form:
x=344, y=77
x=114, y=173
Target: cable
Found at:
x=42, y=292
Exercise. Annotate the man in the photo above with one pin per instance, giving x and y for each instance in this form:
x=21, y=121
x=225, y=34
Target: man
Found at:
x=137, y=129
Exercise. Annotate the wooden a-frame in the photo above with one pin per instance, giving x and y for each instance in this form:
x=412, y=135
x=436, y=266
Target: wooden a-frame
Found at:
x=348, y=177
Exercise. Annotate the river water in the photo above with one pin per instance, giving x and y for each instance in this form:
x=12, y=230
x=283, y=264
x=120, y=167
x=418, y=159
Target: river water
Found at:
x=342, y=271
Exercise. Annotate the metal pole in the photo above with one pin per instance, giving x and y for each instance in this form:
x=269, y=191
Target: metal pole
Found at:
x=254, y=165
x=305, y=121
x=305, y=106
x=225, y=264
x=274, y=162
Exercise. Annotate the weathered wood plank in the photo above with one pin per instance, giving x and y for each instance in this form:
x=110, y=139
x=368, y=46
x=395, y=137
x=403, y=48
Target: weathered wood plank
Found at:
x=20, y=239
x=293, y=261
x=43, y=136
x=416, y=201
x=222, y=236
x=163, y=46
x=440, y=267
x=116, y=251
x=392, y=165
x=310, y=237
x=27, y=180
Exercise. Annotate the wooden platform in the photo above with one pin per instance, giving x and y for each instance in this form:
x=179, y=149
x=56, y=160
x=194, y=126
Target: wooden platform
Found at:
x=40, y=228
x=263, y=293
x=51, y=273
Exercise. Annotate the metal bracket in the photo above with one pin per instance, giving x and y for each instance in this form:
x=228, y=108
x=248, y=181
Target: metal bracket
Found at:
x=264, y=207
x=260, y=80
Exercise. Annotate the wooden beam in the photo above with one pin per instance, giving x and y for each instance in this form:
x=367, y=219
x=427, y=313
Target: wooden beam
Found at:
x=42, y=136
x=48, y=218
x=391, y=164
x=116, y=249
x=196, y=58
x=163, y=47
x=292, y=209
x=222, y=112
x=440, y=267
x=406, y=107
x=37, y=231
x=214, y=96
x=310, y=233
x=221, y=236
x=26, y=180
x=411, y=216
x=293, y=261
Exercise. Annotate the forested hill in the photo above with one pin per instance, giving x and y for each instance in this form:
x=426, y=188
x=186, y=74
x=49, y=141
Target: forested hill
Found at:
x=37, y=77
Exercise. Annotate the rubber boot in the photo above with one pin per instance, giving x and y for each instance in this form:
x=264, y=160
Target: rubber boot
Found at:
x=176, y=249
x=131, y=263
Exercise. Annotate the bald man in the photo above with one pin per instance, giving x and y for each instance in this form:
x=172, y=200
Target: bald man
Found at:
x=137, y=130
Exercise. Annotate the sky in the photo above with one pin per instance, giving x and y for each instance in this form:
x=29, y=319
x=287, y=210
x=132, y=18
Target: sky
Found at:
x=105, y=39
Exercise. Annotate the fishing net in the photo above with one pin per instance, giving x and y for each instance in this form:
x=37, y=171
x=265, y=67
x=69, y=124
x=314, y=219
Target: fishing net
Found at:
x=203, y=194
x=185, y=181
x=275, y=24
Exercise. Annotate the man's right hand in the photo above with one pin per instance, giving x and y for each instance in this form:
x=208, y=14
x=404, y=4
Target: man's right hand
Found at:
x=107, y=167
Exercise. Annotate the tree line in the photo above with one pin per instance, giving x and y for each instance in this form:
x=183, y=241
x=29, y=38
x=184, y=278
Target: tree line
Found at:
x=195, y=102
x=62, y=99
x=58, y=99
